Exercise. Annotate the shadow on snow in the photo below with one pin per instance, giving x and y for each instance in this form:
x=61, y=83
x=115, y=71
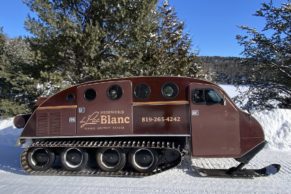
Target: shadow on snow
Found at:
x=9, y=152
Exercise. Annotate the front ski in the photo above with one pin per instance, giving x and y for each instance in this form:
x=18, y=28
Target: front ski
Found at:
x=241, y=173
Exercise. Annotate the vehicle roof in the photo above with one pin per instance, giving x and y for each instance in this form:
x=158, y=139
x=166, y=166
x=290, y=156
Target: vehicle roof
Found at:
x=189, y=79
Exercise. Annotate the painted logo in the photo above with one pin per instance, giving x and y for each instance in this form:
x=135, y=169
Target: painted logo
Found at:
x=104, y=118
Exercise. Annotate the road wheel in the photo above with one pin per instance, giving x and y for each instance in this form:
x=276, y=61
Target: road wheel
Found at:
x=40, y=159
x=111, y=159
x=143, y=160
x=74, y=159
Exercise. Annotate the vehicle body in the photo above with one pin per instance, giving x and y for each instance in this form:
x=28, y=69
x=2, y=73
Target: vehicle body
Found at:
x=141, y=125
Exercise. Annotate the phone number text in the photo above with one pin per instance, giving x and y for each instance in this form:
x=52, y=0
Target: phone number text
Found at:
x=160, y=119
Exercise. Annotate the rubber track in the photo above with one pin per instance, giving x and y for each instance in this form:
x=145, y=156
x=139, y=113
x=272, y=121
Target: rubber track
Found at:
x=100, y=144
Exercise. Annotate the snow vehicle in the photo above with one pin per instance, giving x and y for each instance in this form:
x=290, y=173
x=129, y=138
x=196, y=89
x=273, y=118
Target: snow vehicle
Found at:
x=137, y=127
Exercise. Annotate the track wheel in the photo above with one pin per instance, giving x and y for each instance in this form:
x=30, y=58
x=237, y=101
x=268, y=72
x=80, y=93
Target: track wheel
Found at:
x=111, y=159
x=143, y=160
x=74, y=159
x=40, y=159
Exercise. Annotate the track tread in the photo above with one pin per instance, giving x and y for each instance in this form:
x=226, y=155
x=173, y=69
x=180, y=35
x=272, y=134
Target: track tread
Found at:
x=100, y=144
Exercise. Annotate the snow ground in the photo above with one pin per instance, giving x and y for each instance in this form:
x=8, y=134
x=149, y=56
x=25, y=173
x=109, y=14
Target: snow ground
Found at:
x=178, y=180
x=277, y=127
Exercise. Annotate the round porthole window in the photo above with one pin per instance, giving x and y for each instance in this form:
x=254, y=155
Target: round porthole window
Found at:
x=114, y=92
x=142, y=91
x=90, y=94
x=170, y=90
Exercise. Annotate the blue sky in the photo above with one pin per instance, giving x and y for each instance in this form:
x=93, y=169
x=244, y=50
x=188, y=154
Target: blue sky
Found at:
x=212, y=24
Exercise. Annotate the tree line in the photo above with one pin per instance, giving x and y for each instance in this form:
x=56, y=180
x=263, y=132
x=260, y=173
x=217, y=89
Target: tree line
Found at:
x=73, y=41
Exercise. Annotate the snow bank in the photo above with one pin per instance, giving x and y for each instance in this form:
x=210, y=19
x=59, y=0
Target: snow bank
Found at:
x=276, y=123
x=9, y=152
x=8, y=132
x=232, y=90
x=6, y=123
x=277, y=127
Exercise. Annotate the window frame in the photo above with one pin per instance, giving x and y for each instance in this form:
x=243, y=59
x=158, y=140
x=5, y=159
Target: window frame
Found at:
x=136, y=96
x=110, y=87
x=171, y=97
x=204, y=97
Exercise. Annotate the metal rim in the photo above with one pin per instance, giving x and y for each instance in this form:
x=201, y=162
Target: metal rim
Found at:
x=138, y=165
x=33, y=160
x=175, y=88
x=104, y=162
x=118, y=89
x=146, y=87
x=68, y=163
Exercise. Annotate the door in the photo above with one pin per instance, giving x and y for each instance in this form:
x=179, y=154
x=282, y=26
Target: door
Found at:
x=105, y=108
x=214, y=122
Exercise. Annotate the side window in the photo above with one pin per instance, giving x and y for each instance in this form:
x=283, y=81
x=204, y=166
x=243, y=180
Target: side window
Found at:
x=170, y=90
x=142, y=91
x=212, y=97
x=90, y=94
x=114, y=92
x=198, y=96
x=205, y=96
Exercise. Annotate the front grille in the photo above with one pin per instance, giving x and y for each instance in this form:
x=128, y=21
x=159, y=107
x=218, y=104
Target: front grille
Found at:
x=42, y=124
x=55, y=123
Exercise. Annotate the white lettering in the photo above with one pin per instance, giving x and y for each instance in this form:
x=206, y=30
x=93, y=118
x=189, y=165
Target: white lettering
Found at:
x=127, y=120
x=103, y=119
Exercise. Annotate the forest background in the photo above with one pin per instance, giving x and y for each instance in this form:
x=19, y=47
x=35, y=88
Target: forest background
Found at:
x=73, y=41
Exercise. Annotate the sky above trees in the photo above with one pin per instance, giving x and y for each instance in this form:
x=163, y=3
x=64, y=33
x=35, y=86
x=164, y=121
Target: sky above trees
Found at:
x=212, y=24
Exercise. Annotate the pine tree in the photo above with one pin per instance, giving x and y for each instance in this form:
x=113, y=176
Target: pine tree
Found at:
x=81, y=40
x=269, y=57
x=17, y=86
x=168, y=48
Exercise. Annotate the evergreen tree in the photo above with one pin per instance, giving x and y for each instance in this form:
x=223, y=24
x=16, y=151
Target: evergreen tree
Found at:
x=269, y=57
x=81, y=40
x=17, y=86
x=167, y=50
